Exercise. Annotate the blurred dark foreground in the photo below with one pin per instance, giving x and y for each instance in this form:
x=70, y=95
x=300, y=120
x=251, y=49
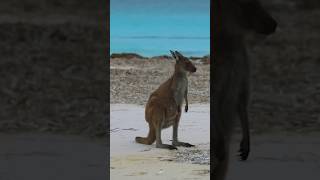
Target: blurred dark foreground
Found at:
x=285, y=70
x=51, y=157
x=53, y=90
x=53, y=67
x=284, y=109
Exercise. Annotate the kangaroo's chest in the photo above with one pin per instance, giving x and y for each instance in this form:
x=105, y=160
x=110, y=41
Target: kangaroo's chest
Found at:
x=171, y=116
x=181, y=88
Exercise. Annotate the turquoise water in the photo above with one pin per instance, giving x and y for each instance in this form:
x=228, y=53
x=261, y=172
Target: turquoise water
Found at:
x=153, y=27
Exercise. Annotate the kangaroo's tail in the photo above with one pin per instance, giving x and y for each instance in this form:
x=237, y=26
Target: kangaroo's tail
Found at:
x=149, y=139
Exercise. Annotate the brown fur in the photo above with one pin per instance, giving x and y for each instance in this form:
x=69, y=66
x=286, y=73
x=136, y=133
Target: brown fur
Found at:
x=163, y=108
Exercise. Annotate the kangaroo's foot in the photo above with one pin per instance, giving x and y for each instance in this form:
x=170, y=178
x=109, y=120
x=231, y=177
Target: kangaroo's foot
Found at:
x=244, y=150
x=166, y=146
x=184, y=144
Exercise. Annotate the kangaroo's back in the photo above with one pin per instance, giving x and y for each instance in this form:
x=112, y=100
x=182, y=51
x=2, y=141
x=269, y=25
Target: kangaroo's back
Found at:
x=164, y=89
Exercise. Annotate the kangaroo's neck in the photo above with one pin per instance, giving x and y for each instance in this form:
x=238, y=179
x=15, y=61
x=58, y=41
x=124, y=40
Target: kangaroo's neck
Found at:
x=180, y=77
x=179, y=85
x=179, y=73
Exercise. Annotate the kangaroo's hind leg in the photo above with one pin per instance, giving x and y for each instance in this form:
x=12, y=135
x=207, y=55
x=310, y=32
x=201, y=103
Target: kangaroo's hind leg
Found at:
x=175, y=141
x=159, y=115
x=221, y=159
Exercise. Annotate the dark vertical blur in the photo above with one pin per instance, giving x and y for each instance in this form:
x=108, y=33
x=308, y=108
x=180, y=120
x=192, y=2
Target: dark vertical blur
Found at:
x=284, y=111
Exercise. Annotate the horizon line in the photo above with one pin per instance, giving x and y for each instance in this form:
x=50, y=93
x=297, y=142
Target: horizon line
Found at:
x=150, y=56
x=159, y=37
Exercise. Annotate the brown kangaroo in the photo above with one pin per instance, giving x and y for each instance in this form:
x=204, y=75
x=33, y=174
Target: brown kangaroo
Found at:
x=163, y=108
x=233, y=20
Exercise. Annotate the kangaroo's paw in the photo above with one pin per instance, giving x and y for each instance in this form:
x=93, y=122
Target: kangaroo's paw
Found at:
x=244, y=150
x=166, y=146
x=184, y=144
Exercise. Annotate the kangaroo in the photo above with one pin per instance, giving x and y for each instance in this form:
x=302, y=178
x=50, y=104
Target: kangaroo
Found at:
x=233, y=21
x=163, y=108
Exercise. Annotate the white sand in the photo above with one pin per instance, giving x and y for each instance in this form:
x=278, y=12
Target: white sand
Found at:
x=130, y=160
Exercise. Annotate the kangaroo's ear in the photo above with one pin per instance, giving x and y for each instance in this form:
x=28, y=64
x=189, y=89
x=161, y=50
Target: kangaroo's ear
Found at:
x=179, y=55
x=174, y=55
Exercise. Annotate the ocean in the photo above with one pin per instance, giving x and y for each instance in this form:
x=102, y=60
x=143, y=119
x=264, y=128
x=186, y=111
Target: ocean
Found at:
x=153, y=27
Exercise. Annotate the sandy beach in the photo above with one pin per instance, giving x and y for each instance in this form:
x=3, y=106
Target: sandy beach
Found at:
x=130, y=160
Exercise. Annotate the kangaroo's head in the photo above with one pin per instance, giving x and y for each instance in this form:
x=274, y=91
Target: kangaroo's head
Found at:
x=183, y=64
x=257, y=18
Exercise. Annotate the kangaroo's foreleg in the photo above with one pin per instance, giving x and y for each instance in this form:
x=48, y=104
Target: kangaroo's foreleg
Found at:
x=243, y=115
x=186, y=99
x=175, y=141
